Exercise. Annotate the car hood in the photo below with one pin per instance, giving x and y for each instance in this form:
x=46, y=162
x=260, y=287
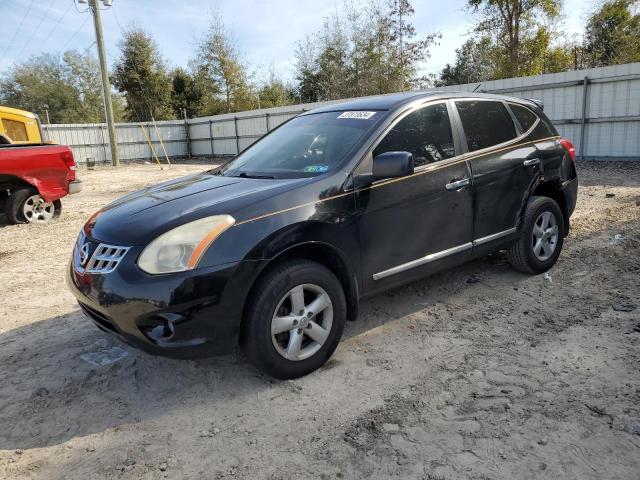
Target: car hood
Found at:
x=139, y=217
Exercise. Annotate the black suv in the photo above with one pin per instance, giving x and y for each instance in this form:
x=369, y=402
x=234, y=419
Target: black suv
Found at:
x=274, y=250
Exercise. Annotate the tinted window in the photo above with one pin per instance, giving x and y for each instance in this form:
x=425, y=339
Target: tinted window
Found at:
x=426, y=133
x=16, y=131
x=306, y=146
x=525, y=117
x=485, y=123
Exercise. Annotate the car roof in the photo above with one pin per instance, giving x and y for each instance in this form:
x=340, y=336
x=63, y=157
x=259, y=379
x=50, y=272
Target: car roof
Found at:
x=392, y=101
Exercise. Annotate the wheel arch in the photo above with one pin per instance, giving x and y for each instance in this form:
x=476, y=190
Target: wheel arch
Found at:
x=320, y=252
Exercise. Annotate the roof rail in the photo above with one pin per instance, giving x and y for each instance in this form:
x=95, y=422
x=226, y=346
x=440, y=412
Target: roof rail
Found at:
x=539, y=103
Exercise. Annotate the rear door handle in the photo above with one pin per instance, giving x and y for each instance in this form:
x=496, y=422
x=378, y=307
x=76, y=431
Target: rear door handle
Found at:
x=458, y=184
x=529, y=162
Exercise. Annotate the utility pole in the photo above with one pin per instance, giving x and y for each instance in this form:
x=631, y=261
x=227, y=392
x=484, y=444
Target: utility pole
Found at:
x=94, y=6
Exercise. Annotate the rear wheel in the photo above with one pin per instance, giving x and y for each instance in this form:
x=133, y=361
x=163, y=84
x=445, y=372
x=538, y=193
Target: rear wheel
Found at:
x=294, y=320
x=27, y=206
x=541, y=237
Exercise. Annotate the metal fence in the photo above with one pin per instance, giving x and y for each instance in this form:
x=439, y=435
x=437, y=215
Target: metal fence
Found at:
x=598, y=109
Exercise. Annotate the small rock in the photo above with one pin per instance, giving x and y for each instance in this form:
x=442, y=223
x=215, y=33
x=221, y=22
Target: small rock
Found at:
x=623, y=306
x=635, y=428
x=18, y=452
x=548, y=277
x=42, y=392
x=163, y=466
x=637, y=328
x=390, y=427
x=543, y=441
x=473, y=278
x=542, y=466
x=90, y=449
x=216, y=431
x=610, y=195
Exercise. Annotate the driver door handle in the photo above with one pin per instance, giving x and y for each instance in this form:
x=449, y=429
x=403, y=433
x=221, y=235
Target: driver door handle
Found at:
x=529, y=162
x=458, y=184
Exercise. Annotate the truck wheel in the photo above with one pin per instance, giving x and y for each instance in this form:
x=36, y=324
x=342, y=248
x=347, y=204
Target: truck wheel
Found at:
x=541, y=237
x=294, y=320
x=26, y=206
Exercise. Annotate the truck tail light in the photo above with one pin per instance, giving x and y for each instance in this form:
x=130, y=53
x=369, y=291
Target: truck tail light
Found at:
x=67, y=158
x=566, y=143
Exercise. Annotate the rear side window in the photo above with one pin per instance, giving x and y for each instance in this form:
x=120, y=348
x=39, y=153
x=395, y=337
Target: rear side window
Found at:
x=16, y=131
x=426, y=133
x=526, y=118
x=485, y=123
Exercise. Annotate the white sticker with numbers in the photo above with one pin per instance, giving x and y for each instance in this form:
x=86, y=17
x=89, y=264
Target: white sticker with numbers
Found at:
x=357, y=115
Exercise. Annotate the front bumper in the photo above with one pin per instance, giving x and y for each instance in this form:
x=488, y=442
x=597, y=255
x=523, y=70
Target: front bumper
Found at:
x=184, y=315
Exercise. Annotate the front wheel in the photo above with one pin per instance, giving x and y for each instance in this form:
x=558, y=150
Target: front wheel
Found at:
x=294, y=319
x=541, y=237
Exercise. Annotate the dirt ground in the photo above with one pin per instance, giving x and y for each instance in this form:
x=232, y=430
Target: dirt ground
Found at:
x=476, y=373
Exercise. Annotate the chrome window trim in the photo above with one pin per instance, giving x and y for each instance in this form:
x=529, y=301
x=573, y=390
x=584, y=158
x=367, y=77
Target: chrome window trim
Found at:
x=442, y=254
x=470, y=155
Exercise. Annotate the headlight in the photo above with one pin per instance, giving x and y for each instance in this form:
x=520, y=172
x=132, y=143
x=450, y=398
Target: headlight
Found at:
x=180, y=249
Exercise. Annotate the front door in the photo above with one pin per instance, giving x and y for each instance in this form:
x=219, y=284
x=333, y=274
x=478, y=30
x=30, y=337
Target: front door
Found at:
x=410, y=225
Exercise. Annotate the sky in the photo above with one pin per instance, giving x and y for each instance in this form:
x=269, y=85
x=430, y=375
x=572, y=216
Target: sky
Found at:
x=266, y=31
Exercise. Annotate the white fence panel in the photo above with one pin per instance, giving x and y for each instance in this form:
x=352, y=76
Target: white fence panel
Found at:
x=608, y=125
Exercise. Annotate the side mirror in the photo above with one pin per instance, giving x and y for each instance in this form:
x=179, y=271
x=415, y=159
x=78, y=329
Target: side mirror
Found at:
x=392, y=164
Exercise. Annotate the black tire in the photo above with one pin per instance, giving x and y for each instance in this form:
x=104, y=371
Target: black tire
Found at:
x=15, y=203
x=521, y=254
x=256, y=340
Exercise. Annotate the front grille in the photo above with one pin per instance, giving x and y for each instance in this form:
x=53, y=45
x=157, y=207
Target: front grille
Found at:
x=105, y=258
x=101, y=319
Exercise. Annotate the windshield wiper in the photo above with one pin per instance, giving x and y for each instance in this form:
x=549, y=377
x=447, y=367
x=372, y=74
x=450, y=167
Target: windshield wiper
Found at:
x=247, y=175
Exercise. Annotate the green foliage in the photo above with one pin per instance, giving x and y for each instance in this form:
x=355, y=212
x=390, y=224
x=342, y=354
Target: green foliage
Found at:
x=613, y=34
x=519, y=27
x=475, y=62
x=362, y=51
x=186, y=94
x=141, y=75
x=222, y=71
x=274, y=93
x=69, y=87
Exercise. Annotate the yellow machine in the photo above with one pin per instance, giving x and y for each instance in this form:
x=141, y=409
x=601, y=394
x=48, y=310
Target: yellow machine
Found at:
x=19, y=126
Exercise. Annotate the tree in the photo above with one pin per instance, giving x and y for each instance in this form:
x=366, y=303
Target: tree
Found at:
x=186, y=94
x=67, y=86
x=219, y=63
x=274, y=92
x=362, y=52
x=475, y=62
x=518, y=27
x=141, y=75
x=613, y=34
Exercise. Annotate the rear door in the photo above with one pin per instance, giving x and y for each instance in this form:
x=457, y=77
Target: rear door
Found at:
x=410, y=225
x=503, y=164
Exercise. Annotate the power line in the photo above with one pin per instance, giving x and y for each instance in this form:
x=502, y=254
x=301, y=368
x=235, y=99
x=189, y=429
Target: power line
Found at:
x=33, y=34
x=58, y=22
x=86, y=19
x=18, y=29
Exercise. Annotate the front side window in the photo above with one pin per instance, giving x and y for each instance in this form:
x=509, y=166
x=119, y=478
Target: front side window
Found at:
x=16, y=131
x=306, y=146
x=526, y=118
x=426, y=133
x=485, y=123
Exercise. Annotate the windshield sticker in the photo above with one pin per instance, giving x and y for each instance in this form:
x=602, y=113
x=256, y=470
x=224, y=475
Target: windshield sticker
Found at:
x=357, y=115
x=316, y=168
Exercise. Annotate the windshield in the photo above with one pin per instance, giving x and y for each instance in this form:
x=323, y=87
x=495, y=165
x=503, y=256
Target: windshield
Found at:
x=306, y=146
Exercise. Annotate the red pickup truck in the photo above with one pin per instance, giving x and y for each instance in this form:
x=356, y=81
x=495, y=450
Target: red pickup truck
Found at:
x=33, y=179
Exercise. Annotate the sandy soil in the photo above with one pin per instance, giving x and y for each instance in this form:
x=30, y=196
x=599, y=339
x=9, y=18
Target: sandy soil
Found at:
x=477, y=373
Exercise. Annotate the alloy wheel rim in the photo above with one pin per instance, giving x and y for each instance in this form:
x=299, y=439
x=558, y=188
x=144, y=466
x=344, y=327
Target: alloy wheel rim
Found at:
x=545, y=236
x=302, y=322
x=37, y=210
